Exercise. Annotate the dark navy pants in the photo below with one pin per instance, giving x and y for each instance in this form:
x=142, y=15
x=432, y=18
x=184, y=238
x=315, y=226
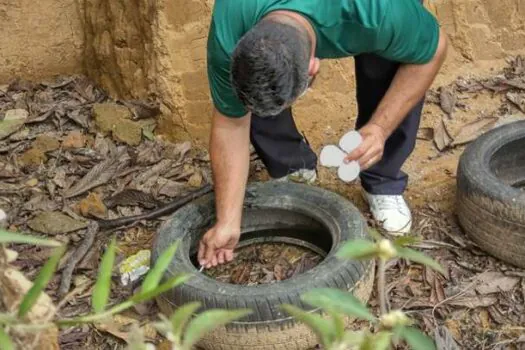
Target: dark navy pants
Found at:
x=283, y=149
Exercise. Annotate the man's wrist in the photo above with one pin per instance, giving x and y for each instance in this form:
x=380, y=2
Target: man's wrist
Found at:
x=382, y=130
x=231, y=225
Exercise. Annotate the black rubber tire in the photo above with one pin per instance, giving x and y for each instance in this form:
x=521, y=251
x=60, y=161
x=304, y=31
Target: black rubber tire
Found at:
x=267, y=205
x=490, y=208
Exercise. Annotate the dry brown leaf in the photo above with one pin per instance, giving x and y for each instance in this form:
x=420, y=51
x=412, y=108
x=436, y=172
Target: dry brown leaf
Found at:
x=279, y=272
x=495, y=282
x=445, y=338
x=485, y=321
x=13, y=120
x=447, y=99
x=437, y=293
x=442, y=138
x=471, y=131
x=141, y=109
x=496, y=314
x=131, y=197
x=517, y=99
x=151, y=173
x=40, y=202
x=60, y=177
x=468, y=85
x=55, y=222
x=516, y=83
x=122, y=327
x=426, y=134
x=99, y=174
x=13, y=287
x=196, y=179
x=92, y=205
x=7, y=170
x=169, y=188
x=80, y=117
x=241, y=274
x=473, y=302
x=103, y=145
x=176, y=151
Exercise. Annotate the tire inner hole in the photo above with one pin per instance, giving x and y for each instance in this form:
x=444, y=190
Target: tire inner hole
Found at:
x=273, y=254
x=508, y=164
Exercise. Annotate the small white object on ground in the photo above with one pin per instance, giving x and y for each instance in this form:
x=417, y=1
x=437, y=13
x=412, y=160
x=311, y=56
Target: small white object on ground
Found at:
x=134, y=266
x=331, y=156
x=202, y=268
x=350, y=141
x=348, y=172
x=3, y=218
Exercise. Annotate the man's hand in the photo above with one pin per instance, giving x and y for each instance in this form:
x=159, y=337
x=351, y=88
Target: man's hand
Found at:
x=216, y=247
x=230, y=159
x=370, y=151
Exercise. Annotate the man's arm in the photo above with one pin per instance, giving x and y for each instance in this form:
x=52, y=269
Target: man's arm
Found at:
x=229, y=152
x=408, y=87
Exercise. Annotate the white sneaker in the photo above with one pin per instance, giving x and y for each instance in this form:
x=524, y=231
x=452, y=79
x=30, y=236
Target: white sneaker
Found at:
x=302, y=175
x=391, y=211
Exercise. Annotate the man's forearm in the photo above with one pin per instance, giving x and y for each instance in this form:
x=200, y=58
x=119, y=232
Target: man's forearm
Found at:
x=229, y=152
x=408, y=87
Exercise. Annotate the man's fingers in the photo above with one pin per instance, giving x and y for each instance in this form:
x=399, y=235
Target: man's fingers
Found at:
x=202, y=253
x=209, y=255
x=371, y=162
x=357, y=153
x=370, y=155
x=220, y=256
x=228, y=254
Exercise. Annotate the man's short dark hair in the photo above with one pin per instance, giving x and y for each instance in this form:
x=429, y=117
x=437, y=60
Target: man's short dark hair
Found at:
x=270, y=66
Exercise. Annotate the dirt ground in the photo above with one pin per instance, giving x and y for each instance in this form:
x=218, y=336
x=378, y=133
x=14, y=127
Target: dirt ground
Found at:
x=480, y=302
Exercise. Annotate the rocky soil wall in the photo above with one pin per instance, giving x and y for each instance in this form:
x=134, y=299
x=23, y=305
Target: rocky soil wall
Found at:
x=40, y=38
x=137, y=48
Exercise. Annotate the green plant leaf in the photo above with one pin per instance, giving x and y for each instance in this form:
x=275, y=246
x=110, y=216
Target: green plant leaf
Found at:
x=208, y=321
x=417, y=339
x=338, y=301
x=382, y=340
x=377, y=341
x=406, y=240
x=339, y=325
x=322, y=328
x=180, y=318
x=103, y=285
x=367, y=342
x=148, y=133
x=41, y=281
x=13, y=237
x=418, y=257
x=154, y=276
x=375, y=234
x=5, y=341
x=170, y=284
x=354, y=338
x=358, y=249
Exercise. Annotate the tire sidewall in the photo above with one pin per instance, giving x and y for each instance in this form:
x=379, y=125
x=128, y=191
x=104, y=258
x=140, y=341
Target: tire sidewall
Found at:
x=343, y=219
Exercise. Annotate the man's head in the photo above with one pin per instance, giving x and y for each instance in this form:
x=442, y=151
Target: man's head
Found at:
x=273, y=65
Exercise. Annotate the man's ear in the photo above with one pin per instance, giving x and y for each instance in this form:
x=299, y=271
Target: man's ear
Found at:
x=314, y=66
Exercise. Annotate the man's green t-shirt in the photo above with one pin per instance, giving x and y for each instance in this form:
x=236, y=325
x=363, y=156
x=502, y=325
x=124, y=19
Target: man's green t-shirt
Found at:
x=400, y=30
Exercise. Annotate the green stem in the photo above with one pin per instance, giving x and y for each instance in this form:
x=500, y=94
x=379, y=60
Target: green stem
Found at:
x=95, y=317
x=381, y=286
x=33, y=327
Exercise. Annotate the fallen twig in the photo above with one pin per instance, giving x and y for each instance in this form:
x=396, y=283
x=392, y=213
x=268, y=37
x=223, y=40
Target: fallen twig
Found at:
x=166, y=209
x=77, y=256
